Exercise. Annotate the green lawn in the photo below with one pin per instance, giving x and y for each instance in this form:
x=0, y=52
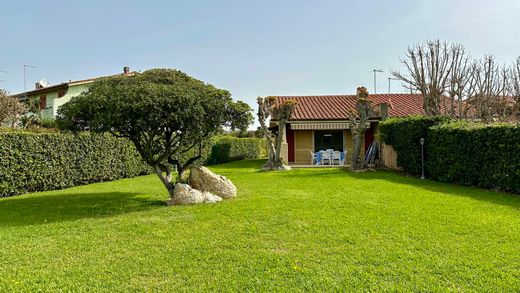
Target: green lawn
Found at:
x=306, y=229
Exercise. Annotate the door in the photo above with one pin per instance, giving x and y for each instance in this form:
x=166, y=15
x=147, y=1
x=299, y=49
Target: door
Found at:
x=328, y=139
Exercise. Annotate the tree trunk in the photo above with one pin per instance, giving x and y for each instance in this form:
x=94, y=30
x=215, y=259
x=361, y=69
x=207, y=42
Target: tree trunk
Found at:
x=356, y=139
x=165, y=179
x=275, y=161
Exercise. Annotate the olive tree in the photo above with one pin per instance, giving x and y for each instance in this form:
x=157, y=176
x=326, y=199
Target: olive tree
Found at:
x=168, y=115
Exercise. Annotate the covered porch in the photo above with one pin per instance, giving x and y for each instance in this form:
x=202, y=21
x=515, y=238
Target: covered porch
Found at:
x=306, y=142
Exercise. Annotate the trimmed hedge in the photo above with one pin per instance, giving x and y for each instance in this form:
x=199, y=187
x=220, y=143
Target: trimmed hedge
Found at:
x=486, y=156
x=45, y=161
x=461, y=152
x=228, y=148
x=404, y=135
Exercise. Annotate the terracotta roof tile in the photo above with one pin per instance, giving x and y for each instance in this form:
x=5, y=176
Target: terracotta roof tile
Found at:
x=336, y=107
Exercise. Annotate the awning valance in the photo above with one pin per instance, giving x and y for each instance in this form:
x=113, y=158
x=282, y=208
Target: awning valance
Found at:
x=320, y=126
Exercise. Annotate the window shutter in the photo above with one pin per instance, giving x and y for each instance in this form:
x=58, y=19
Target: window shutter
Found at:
x=43, y=102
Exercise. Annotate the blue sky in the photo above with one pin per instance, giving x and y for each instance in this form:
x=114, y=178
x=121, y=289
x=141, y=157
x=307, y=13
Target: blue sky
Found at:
x=250, y=48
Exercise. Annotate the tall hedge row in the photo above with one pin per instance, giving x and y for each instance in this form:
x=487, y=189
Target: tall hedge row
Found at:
x=404, y=135
x=486, y=156
x=45, y=161
x=461, y=152
x=229, y=148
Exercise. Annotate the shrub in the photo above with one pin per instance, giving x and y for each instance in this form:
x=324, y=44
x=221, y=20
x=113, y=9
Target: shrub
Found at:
x=45, y=161
x=228, y=148
x=404, y=135
x=468, y=153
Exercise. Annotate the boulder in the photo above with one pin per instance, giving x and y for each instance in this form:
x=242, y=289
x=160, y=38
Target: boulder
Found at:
x=211, y=198
x=204, y=180
x=183, y=194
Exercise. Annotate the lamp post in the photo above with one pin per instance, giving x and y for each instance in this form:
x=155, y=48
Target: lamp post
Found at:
x=375, y=82
x=422, y=158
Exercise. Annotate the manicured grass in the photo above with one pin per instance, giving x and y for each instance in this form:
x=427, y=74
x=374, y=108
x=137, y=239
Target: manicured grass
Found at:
x=307, y=229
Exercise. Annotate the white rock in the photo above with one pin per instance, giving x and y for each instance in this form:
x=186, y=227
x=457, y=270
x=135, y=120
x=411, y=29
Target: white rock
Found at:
x=183, y=194
x=203, y=179
x=211, y=198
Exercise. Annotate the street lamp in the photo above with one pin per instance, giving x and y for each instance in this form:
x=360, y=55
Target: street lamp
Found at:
x=375, y=83
x=422, y=157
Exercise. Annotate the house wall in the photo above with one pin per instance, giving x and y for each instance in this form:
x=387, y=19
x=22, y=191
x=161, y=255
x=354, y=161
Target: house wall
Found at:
x=303, y=145
x=74, y=90
x=53, y=102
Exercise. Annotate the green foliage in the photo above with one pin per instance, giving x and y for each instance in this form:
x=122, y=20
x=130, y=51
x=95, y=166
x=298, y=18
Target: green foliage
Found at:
x=459, y=152
x=229, y=148
x=404, y=135
x=468, y=153
x=48, y=123
x=167, y=114
x=45, y=161
x=241, y=116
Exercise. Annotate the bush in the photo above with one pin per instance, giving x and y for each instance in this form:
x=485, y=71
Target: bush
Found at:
x=486, y=156
x=404, y=135
x=228, y=148
x=45, y=161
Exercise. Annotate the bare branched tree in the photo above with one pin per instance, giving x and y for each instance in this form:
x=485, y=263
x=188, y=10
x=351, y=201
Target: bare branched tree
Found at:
x=459, y=77
x=488, y=91
x=514, y=82
x=428, y=67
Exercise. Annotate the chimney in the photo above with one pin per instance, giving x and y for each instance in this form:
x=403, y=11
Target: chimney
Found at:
x=126, y=70
x=384, y=111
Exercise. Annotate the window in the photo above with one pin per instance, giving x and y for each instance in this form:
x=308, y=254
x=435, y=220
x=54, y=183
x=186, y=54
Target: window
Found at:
x=43, y=102
x=61, y=93
x=328, y=139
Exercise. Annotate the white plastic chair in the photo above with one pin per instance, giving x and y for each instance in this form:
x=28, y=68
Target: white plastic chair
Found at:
x=326, y=156
x=313, y=158
x=336, y=157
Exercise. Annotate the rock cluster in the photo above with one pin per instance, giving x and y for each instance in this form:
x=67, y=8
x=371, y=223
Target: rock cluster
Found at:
x=204, y=187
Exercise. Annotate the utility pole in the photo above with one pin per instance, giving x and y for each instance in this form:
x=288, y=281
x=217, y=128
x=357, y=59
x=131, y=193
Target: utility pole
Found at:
x=375, y=79
x=24, y=79
x=390, y=79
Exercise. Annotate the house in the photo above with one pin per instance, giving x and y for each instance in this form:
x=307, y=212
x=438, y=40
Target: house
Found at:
x=51, y=97
x=321, y=122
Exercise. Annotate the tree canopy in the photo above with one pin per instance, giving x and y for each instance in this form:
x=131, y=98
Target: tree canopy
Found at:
x=168, y=115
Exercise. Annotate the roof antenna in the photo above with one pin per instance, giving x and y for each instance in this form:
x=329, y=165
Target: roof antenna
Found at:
x=24, y=79
x=375, y=82
x=390, y=79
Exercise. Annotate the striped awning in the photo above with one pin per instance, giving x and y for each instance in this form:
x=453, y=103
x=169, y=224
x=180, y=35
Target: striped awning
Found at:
x=320, y=125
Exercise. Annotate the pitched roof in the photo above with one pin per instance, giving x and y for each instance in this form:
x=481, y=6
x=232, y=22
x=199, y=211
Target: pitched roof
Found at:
x=65, y=85
x=336, y=107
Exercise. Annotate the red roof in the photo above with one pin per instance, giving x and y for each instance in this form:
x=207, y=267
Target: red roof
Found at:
x=336, y=107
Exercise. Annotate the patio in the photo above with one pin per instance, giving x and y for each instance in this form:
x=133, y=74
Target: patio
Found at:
x=295, y=165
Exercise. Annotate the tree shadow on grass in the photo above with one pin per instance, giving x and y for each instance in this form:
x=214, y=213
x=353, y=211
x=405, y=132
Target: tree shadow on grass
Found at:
x=494, y=197
x=44, y=209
